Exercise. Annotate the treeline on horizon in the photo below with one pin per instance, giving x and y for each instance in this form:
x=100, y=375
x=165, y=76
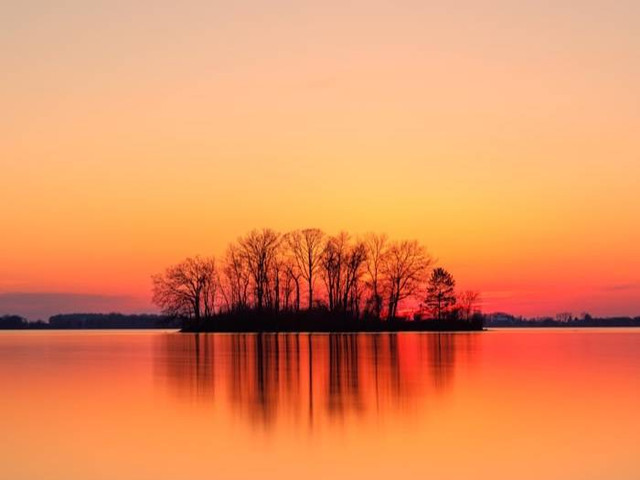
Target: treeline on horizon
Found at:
x=89, y=321
x=563, y=319
x=306, y=274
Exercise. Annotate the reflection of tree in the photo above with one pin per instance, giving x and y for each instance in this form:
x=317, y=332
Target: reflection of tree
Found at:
x=442, y=356
x=190, y=364
x=269, y=377
x=344, y=387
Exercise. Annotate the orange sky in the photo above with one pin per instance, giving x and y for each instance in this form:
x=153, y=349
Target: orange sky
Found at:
x=504, y=136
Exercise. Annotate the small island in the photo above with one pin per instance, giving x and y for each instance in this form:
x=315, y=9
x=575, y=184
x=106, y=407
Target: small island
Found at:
x=308, y=281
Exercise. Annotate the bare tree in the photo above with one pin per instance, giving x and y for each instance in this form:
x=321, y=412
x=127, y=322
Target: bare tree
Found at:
x=354, y=268
x=468, y=301
x=187, y=289
x=259, y=249
x=342, y=267
x=287, y=287
x=376, y=246
x=306, y=248
x=281, y=282
x=236, y=275
x=332, y=265
x=404, y=269
x=440, y=293
x=211, y=290
x=293, y=275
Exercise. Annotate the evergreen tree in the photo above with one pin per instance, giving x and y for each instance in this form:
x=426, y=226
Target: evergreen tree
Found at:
x=440, y=293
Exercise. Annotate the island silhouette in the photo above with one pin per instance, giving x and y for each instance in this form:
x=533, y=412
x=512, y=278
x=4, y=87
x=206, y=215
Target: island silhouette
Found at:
x=306, y=280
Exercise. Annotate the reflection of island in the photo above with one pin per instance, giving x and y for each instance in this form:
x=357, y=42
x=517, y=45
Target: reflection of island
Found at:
x=299, y=376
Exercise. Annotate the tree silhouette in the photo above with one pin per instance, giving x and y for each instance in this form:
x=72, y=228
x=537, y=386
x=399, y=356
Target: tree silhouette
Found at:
x=376, y=246
x=259, y=249
x=404, y=268
x=187, y=289
x=468, y=303
x=440, y=293
x=292, y=276
x=306, y=247
x=236, y=279
x=342, y=265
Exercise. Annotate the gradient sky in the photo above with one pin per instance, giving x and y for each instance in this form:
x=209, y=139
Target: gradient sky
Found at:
x=503, y=135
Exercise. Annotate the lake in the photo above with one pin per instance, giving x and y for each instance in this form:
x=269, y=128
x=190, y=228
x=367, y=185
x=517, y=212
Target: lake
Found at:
x=502, y=404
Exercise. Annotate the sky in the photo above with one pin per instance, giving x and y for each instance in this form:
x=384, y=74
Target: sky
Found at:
x=502, y=135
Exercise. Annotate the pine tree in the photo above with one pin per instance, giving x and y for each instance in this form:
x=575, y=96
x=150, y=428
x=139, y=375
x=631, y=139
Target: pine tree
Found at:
x=440, y=293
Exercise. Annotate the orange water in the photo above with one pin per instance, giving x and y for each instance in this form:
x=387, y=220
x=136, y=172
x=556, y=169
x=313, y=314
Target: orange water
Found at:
x=508, y=404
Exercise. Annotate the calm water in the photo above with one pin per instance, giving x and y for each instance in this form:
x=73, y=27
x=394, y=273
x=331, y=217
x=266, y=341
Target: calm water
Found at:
x=509, y=404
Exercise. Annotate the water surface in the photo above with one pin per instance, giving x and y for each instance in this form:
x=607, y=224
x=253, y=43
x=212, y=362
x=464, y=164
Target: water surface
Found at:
x=503, y=404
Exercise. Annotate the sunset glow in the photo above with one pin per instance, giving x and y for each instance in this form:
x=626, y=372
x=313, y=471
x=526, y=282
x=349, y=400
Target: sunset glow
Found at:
x=504, y=136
